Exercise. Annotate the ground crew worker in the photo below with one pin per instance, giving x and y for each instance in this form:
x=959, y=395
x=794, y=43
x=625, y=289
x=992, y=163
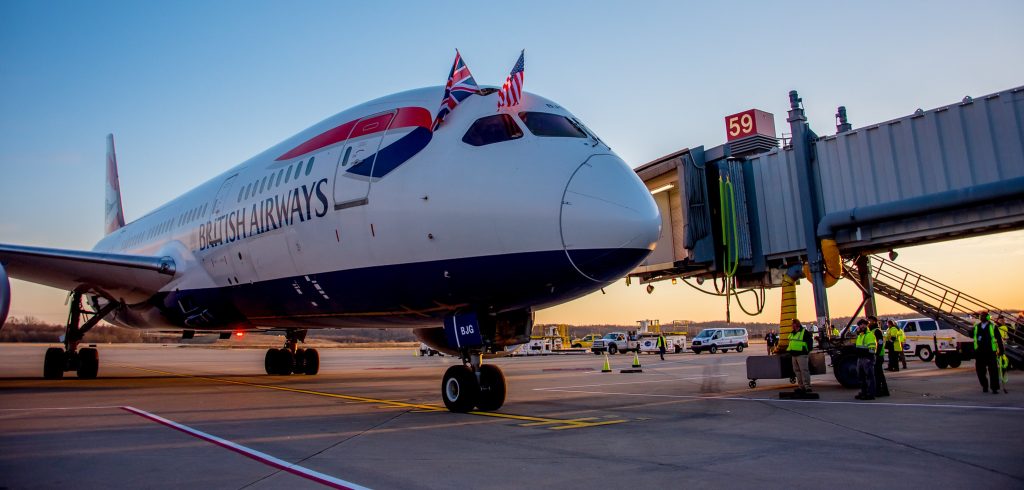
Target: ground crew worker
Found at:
x=902, y=341
x=866, y=346
x=893, y=344
x=834, y=332
x=1003, y=326
x=988, y=345
x=769, y=341
x=881, y=386
x=661, y=346
x=799, y=348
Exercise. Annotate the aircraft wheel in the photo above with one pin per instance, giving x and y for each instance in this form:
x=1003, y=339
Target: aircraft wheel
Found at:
x=270, y=361
x=53, y=363
x=459, y=389
x=299, y=366
x=312, y=361
x=492, y=388
x=285, y=362
x=88, y=363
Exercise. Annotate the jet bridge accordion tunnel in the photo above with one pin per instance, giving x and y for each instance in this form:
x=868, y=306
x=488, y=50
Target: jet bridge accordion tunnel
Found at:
x=744, y=213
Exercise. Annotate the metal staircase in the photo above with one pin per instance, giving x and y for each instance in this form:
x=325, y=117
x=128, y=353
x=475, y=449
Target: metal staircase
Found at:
x=935, y=300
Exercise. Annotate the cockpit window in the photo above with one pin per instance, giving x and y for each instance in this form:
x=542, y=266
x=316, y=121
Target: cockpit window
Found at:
x=544, y=124
x=492, y=129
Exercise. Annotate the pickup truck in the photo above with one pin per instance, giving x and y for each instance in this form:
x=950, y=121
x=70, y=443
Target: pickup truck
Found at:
x=615, y=342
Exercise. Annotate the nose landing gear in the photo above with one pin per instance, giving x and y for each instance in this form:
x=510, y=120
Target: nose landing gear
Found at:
x=473, y=385
x=86, y=361
x=290, y=359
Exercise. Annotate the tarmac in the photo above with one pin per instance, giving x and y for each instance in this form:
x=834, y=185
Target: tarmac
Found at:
x=205, y=417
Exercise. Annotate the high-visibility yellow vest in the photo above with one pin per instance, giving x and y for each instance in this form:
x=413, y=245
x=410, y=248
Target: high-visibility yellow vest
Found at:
x=991, y=334
x=893, y=335
x=796, y=342
x=879, y=341
x=835, y=332
x=661, y=341
x=1004, y=331
x=867, y=341
x=902, y=340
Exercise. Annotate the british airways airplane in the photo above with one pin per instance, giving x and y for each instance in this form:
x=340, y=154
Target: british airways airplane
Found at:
x=368, y=219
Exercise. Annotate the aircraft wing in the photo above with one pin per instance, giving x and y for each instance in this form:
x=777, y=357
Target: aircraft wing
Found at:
x=118, y=277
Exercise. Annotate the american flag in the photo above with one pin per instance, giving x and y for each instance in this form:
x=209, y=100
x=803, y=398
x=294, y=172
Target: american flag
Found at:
x=512, y=90
x=460, y=85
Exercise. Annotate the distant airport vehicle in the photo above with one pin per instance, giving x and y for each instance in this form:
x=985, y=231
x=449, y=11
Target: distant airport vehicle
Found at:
x=673, y=343
x=425, y=350
x=615, y=342
x=720, y=339
x=370, y=218
x=585, y=342
x=928, y=340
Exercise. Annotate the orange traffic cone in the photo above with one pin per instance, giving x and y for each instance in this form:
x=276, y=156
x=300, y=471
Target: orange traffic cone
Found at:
x=636, y=359
x=607, y=365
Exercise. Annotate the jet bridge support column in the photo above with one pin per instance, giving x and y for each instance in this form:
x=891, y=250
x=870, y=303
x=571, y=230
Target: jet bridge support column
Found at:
x=810, y=201
x=864, y=273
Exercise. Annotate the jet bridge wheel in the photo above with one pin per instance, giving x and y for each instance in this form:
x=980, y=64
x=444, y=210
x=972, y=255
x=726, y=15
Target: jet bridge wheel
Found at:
x=459, y=389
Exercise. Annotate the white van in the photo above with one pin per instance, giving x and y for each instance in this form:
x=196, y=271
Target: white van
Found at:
x=720, y=339
x=923, y=333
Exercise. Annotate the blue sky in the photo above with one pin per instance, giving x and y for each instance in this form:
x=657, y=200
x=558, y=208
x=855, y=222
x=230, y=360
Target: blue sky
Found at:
x=190, y=88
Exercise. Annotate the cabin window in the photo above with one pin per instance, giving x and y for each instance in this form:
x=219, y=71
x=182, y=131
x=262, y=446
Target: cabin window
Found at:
x=552, y=125
x=309, y=166
x=492, y=129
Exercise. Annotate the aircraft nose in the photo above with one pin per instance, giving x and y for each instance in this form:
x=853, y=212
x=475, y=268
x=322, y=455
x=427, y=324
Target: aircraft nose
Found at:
x=609, y=221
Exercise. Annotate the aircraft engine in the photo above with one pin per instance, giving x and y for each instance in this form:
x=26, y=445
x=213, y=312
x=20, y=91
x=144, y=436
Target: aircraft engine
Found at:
x=5, y=295
x=498, y=331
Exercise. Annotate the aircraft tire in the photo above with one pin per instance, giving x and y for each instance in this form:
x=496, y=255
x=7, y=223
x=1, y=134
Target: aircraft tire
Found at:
x=312, y=361
x=459, y=389
x=492, y=388
x=88, y=363
x=53, y=363
x=299, y=366
x=270, y=361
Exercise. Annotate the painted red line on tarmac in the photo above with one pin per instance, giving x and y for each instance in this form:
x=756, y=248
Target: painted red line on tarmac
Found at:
x=253, y=454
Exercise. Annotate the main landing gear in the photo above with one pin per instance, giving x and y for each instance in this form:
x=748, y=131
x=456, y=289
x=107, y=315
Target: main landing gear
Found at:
x=291, y=359
x=473, y=385
x=86, y=361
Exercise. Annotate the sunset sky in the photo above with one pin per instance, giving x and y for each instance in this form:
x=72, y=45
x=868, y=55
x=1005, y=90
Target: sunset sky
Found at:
x=191, y=88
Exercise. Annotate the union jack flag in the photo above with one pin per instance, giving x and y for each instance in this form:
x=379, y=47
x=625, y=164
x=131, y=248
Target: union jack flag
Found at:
x=512, y=89
x=460, y=85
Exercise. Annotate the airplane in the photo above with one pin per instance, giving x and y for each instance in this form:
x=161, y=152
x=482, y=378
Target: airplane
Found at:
x=368, y=219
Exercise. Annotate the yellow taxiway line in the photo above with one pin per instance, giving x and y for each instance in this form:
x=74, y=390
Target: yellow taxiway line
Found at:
x=529, y=420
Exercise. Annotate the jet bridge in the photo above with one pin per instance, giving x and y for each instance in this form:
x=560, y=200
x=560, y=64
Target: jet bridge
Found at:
x=745, y=212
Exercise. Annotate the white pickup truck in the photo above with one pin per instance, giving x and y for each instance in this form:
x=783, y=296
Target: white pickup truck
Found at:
x=614, y=342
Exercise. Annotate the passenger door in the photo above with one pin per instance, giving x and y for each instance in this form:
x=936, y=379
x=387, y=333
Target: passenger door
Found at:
x=354, y=172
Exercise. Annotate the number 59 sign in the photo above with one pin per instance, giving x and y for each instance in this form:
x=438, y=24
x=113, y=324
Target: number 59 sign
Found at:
x=749, y=123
